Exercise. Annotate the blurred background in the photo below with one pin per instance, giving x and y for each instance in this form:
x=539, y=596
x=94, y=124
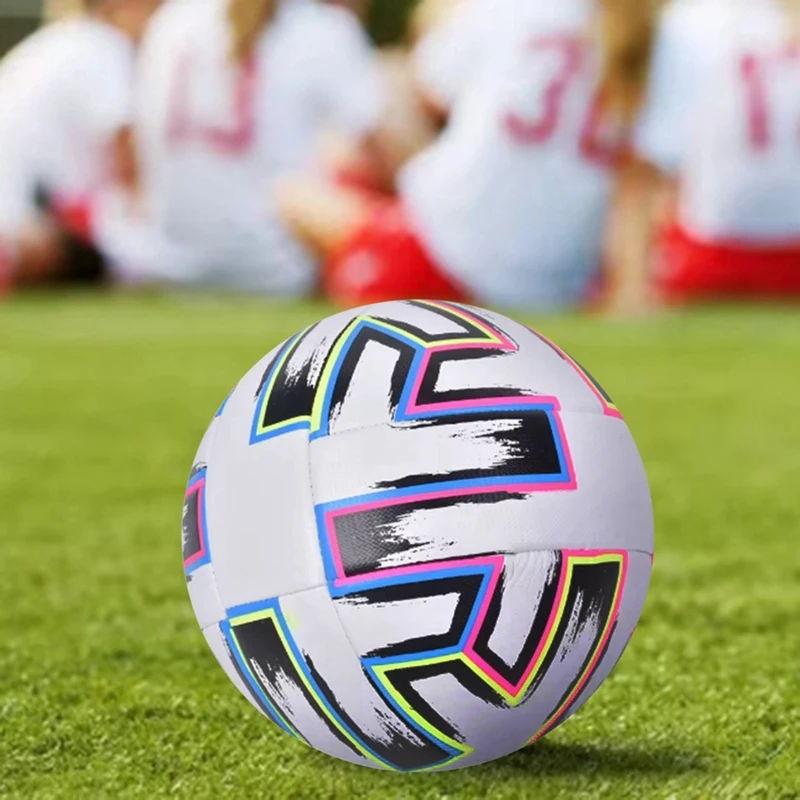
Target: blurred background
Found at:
x=386, y=20
x=673, y=276
x=18, y=18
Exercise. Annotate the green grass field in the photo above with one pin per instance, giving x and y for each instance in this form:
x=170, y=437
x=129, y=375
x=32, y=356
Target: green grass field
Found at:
x=106, y=687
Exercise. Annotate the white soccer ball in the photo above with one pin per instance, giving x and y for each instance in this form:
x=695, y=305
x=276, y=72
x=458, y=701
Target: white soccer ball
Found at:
x=418, y=536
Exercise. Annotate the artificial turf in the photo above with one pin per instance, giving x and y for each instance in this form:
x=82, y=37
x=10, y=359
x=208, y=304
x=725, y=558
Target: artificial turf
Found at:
x=106, y=686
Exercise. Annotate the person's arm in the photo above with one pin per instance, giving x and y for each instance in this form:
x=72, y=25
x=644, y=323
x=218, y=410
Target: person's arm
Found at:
x=448, y=51
x=318, y=213
x=644, y=190
x=406, y=128
x=103, y=89
x=636, y=213
x=125, y=161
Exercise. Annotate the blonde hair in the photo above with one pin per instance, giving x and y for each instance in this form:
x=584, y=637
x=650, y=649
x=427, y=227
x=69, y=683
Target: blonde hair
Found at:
x=85, y=6
x=61, y=9
x=247, y=19
x=430, y=14
x=628, y=29
x=792, y=10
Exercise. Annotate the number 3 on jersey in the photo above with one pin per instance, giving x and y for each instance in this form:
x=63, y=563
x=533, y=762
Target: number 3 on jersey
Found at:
x=563, y=65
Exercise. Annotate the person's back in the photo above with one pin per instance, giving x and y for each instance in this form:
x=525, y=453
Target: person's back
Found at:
x=739, y=161
x=513, y=200
x=234, y=94
x=64, y=93
x=723, y=123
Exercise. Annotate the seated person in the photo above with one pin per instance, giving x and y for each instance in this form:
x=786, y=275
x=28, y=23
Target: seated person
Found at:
x=65, y=104
x=509, y=207
x=233, y=95
x=723, y=125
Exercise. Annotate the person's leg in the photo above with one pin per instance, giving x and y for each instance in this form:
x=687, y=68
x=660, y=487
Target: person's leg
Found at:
x=31, y=247
x=369, y=249
x=407, y=128
x=66, y=227
x=385, y=259
x=5, y=271
x=320, y=214
x=687, y=270
x=49, y=256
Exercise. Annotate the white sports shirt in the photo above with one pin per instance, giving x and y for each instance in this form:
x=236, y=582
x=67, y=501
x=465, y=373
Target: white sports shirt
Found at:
x=215, y=135
x=724, y=117
x=64, y=93
x=513, y=199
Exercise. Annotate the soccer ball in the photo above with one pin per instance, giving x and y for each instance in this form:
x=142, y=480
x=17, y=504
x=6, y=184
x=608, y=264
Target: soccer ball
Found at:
x=417, y=536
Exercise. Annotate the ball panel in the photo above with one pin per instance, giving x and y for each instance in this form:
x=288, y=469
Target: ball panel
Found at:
x=456, y=687
x=366, y=400
x=399, y=614
x=522, y=447
x=611, y=507
x=264, y=651
x=377, y=522
x=551, y=369
x=260, y=519
x=194, y=522
x=529, y=585
x=636, y=586
x=317, y=381
x=297, y=661
x=439, y=320
x=206, y=603
x=385, y=737
x=219, y=647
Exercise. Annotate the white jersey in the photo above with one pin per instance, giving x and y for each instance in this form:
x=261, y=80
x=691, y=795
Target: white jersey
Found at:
x=724, y=118
x=513, y=199
x=64, y=93
x=215, y=135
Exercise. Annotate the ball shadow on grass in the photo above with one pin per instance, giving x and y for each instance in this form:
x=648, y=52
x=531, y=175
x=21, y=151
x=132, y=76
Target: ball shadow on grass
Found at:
x=555, y=758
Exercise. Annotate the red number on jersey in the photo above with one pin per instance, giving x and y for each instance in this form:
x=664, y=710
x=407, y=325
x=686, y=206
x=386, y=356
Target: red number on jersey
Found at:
x=538, y=130
x=572, y=54
x=235, y=138
x=755, y=71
